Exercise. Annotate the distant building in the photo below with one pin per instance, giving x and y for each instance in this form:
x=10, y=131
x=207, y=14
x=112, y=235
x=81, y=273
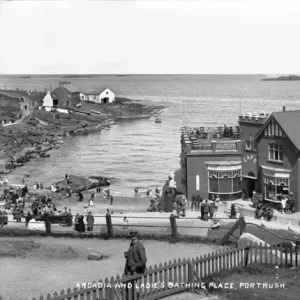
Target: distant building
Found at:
x=47, y=100
x=90, y=97
x=105, y=97
x=65, y=95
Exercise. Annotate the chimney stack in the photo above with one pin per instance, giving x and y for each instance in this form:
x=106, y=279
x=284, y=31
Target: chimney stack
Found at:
x=283, y=109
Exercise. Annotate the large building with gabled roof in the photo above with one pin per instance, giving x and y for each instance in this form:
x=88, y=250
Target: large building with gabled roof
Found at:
x=271, y=154
x=65, y=95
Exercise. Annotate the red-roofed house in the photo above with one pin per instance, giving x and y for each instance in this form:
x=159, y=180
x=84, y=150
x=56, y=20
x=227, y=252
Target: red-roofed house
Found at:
x=65, y=95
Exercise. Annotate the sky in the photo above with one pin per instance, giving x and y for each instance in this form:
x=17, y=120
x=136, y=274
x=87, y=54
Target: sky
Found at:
x=150, y=37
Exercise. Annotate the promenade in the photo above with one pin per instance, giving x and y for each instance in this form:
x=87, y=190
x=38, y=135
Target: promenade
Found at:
x=148, y=223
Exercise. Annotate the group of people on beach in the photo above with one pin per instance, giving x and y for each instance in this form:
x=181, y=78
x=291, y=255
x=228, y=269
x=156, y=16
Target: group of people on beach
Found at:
x=80, y=225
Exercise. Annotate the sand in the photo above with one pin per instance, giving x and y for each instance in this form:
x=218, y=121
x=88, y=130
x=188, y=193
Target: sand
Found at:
x=32, y=276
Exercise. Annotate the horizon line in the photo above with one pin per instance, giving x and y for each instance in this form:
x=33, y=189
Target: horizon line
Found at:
x=140, y=74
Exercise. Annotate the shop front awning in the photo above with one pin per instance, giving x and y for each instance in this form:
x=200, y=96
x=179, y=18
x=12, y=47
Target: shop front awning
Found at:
x=224, y=168
x=250, y=177
x=276, y=172
x=223, y=165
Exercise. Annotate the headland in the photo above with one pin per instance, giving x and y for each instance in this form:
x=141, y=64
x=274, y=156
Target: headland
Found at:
x=27, y=131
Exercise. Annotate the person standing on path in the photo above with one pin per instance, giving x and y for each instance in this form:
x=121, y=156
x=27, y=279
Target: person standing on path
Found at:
x=111, y=200
x=211, y=209
x=77, y=222
x=193, y=205
x=205, y=211
x=81, y=225
x=135, y=261
x=135, y=257
x=90, y=221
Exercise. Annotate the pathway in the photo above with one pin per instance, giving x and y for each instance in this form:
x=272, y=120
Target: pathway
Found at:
x=27, y=103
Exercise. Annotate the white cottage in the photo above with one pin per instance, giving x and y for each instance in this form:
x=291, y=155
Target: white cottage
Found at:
x=48, y=100
x=107, y=96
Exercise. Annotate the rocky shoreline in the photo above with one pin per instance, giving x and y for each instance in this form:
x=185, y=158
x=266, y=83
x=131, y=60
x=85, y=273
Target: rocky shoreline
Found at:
x=43, y=131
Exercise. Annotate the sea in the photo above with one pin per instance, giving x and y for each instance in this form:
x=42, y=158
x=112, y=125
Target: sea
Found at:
x=142, y=153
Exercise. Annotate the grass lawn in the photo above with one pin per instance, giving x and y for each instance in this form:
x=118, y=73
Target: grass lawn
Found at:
x=240, y=279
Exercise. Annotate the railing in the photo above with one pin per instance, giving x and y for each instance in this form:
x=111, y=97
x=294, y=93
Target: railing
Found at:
x=179, y=275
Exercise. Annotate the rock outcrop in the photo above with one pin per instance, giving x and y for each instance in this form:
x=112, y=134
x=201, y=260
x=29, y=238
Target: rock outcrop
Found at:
x=79, y=184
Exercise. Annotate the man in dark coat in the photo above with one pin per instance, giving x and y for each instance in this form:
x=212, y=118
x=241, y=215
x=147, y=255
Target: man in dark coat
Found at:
x=135, y=261
x=135, y=257
x=205, y=210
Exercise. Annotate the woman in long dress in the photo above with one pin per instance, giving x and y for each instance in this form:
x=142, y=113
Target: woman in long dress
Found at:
x=81, y=225
x=90, y=221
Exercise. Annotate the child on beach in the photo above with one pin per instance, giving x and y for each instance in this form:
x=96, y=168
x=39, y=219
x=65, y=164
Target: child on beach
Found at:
x=125, y=223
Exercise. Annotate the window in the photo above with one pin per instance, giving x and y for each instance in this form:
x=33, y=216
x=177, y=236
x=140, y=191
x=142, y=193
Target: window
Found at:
x=224, y=182
x=275, y=152
x=248, y=145
x=274, y=186
x=197, y=183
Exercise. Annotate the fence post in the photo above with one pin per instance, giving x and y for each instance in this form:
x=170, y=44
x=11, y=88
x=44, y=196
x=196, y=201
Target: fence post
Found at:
x=191, y=277
x=246, y=256
x=110, y=232
x=296, y=252
x=173, y=226
x=47, y=223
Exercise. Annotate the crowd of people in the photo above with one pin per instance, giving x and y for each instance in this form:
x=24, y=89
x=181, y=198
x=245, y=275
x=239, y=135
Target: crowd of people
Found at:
x=79, y=222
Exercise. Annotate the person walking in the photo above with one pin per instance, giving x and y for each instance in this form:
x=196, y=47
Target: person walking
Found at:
x=211, y=209
x=111, y=200
x=90, y=221
x=202, y=211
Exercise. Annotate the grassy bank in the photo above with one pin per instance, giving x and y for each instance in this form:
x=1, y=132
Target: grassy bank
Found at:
x=19, y=232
